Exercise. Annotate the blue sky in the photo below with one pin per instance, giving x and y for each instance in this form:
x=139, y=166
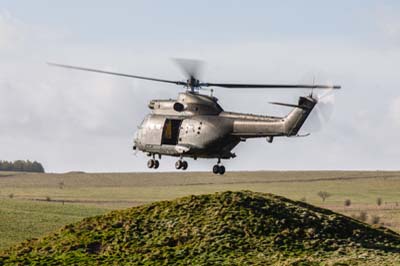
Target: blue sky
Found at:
x=206, y=20
x=83, y=121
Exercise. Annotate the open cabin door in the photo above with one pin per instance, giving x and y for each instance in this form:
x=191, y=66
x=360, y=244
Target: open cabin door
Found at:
x=170, y=133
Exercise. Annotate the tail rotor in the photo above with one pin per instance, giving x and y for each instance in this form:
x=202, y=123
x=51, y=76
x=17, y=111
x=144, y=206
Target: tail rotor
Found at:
x=322, y=112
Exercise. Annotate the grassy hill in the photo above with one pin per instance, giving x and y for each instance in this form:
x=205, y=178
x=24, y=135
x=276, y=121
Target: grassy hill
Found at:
x=231, y=228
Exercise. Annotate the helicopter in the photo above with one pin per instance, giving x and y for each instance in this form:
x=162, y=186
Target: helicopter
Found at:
x=194, y=125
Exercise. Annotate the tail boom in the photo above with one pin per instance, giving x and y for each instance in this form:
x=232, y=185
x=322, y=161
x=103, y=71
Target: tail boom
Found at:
x=254, y=126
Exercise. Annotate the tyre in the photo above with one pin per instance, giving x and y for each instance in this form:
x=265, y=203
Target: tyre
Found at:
x=178, y=164
x=216, y=169
x=184, y=165
x=150, y=163
x=156, y=164
x=221, y=170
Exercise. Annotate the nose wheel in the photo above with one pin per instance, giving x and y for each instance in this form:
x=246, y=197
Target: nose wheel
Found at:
x=181, y=165
x=152, y=163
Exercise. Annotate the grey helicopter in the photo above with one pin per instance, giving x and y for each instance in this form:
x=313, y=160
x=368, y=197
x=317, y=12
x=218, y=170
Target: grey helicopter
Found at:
x=194, y=125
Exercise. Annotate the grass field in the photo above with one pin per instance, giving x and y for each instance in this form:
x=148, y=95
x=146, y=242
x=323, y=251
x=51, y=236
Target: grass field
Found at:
x=34, y=204
x=20, y=219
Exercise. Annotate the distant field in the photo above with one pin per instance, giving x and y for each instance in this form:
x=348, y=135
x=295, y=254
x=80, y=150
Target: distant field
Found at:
x=32, y=204
x=20, y=220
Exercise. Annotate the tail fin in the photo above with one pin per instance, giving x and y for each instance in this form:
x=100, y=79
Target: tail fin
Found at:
x=296, y=118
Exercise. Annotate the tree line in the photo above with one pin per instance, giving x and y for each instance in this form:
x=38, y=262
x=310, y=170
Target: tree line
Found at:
x=21, y=166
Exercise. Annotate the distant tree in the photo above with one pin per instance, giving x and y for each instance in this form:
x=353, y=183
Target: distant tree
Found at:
x=5, y=166
x=37, y=167
x=323, y=195
x=27, y=166
x=21, y=166
x=18, y=166
x=347, y=202
x=379, y=201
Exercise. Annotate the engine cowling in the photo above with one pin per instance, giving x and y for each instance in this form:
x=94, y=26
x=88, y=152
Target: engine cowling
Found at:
x=179, y=107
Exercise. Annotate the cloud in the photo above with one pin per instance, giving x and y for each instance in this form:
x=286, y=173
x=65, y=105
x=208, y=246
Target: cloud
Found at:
x=395, y=112
x=11, y=30
x=388, y=23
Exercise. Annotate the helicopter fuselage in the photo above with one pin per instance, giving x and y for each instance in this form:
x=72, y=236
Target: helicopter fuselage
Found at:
x=195, y=125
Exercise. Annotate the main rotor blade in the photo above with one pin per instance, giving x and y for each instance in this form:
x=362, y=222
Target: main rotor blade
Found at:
x=117, y=74
x=268, y=86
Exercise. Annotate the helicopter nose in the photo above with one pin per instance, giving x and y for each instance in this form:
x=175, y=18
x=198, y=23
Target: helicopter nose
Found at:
x=135, y=137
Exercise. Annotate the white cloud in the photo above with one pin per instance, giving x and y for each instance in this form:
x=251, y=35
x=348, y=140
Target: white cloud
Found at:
x=388, y=23
x=395, y=112
x=11, y=30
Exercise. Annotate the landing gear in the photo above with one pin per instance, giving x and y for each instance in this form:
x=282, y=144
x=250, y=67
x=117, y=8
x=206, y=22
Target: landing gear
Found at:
x=184, y=165
x=178, y=164
x=221, y=169
x=218, y=168
x=181, y=165
x=152, y=163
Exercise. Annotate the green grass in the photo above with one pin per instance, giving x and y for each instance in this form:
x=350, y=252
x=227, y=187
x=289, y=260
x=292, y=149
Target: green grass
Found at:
x=20, y=220
x=93, y=193
x=362, y=187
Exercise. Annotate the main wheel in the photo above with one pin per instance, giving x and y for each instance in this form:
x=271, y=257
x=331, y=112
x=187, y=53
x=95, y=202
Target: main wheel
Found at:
x=216, y=169
x=184, y=165
x=156, y=164
x=178, y=164
x=150, y=163
x=221, y=170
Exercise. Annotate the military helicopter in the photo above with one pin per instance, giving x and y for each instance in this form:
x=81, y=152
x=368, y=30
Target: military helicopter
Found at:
x=194, y=125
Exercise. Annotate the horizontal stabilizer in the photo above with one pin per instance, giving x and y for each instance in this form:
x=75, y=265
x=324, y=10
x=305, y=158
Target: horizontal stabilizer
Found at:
x=286, y=104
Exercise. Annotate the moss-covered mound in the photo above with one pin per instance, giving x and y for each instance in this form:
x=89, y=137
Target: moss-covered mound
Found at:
x=231, y=228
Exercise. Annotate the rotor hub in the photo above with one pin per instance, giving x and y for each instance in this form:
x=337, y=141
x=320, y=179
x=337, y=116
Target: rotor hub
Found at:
x=193, y=83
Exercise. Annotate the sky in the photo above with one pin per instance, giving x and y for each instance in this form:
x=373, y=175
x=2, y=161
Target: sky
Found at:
x=71, y=120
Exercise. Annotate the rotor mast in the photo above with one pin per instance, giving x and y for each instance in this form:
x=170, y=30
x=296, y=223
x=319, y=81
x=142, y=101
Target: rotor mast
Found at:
x=193, y=84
